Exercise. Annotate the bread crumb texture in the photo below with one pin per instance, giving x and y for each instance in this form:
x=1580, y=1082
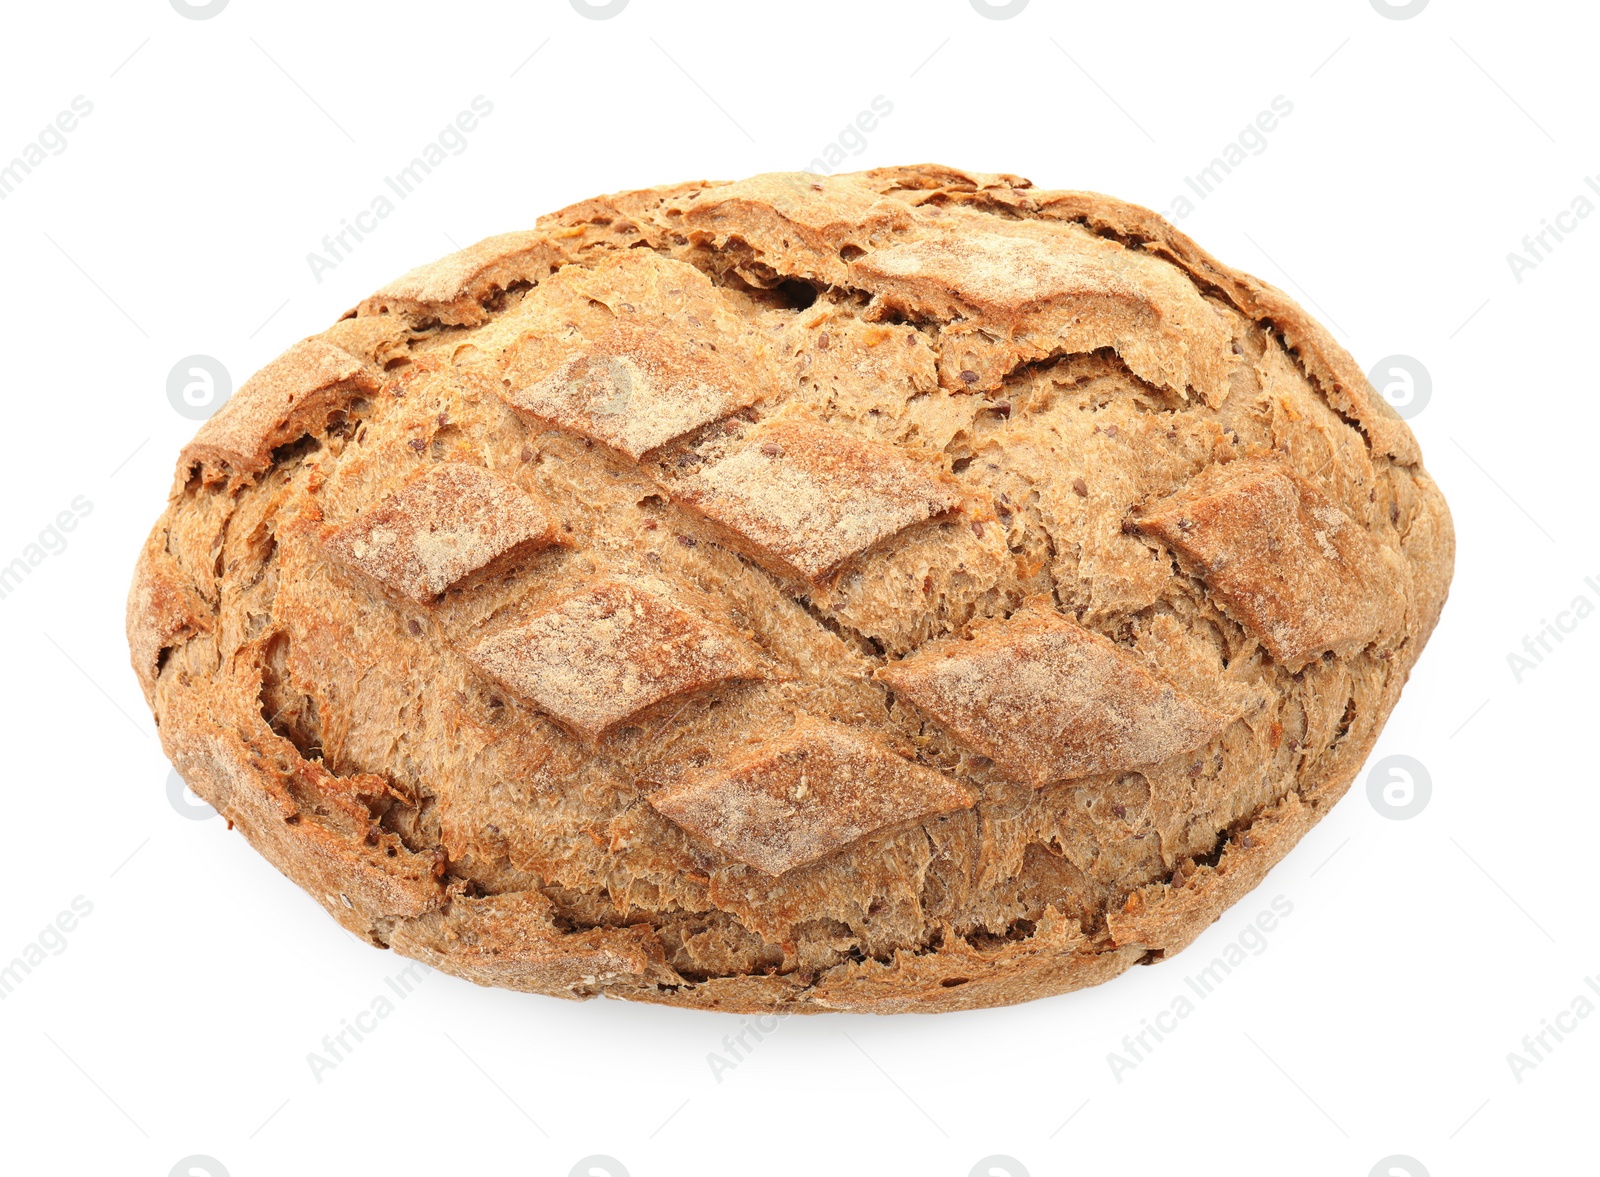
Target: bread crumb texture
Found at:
x=900, y=591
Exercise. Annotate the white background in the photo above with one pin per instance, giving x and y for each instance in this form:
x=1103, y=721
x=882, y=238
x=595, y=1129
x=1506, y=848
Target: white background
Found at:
x=177, y=220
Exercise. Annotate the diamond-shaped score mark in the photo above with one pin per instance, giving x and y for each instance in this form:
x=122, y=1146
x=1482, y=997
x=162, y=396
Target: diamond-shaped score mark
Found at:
x=1283, y=560
x=609, y=651
x=1048, y=700
x=805, y=498
x=633, y=389
x=800, y=797
x=455, y=520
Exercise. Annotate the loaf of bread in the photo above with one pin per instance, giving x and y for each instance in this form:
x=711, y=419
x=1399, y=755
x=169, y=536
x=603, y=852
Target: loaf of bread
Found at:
x=900, y=591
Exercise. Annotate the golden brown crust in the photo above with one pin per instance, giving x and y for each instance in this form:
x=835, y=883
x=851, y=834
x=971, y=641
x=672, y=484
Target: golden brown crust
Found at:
x=455, y=520
x=819, y=440
x=803, y=499
x=162, y=610
x=1337, y=377
x=609, y=651
x=1048, y=700
x=1283, y=560
x=605, y=357
x=296, y=394
x=454, y=289
x=806, y=794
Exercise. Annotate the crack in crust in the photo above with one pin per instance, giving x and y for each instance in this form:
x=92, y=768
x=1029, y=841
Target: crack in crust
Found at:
x=296, y=394
x=1001, y=297
x=937, y=325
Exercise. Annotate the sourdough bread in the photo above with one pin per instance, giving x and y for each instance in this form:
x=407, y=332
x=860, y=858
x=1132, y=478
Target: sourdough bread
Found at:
x=901, y=591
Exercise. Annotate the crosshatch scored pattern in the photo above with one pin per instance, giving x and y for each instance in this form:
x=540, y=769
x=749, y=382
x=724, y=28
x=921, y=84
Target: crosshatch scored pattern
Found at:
x=896, y=591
